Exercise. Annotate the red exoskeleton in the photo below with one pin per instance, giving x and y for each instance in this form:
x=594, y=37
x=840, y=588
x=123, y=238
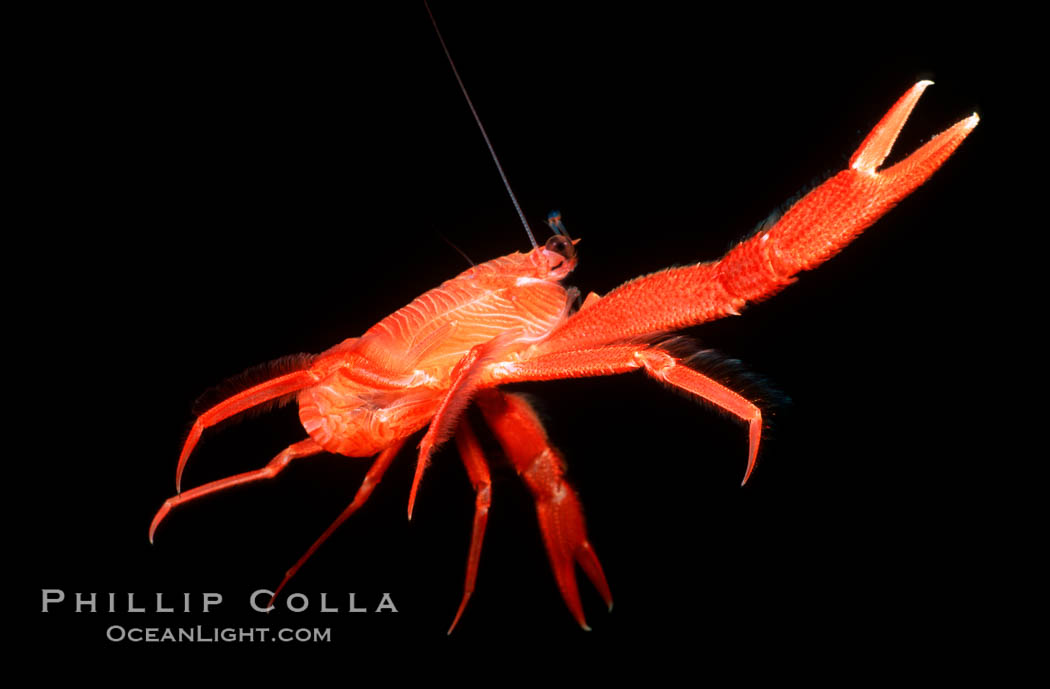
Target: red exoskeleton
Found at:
x=511, y=320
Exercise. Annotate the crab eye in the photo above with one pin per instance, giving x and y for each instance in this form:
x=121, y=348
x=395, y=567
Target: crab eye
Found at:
x=561, y=246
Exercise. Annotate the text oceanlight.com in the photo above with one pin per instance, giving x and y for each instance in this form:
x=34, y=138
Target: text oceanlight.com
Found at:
x=204, y=634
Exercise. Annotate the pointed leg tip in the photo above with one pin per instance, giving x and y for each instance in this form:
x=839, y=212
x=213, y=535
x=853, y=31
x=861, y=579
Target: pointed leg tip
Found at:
x=411, y=503
x=603, y=590
x=916, y=91
x=971, y=121
x=459, y=611
x=156, y=523
x=415, y=488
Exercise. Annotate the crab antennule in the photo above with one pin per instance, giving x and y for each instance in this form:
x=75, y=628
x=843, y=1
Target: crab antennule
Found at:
x=484, y=134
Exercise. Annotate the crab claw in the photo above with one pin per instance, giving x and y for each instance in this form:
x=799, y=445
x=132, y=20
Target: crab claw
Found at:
x=519, y=432
x=833, y=214
x=564, y=535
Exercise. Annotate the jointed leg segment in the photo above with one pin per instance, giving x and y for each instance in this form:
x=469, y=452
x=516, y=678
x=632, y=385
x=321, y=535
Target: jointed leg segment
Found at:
x=658, y=363
x=242, y=401
x=304, y=448
x=465, y=378
x=474, y=461
x=364, y=491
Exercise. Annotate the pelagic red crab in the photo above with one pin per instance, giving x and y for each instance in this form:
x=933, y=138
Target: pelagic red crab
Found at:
x=510, y=320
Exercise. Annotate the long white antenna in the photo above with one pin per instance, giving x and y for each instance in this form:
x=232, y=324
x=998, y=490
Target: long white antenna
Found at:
x=477, y=119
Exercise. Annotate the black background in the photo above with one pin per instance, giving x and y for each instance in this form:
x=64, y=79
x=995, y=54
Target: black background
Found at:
x=219, y=191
